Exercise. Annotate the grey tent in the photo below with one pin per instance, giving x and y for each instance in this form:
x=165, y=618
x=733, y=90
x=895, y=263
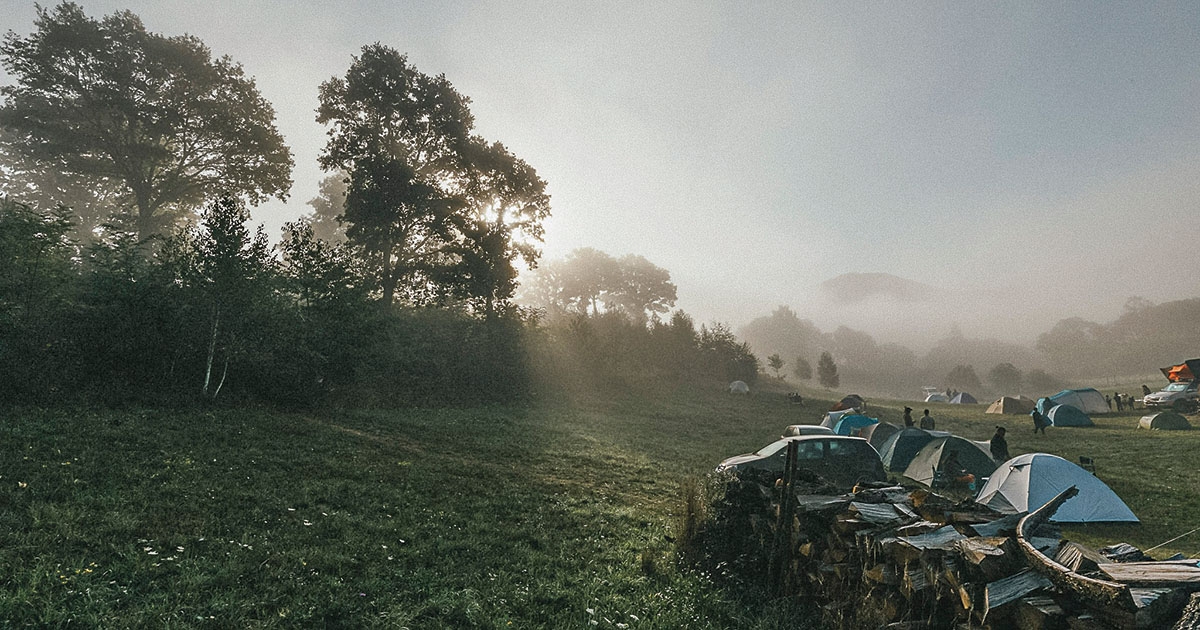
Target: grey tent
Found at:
x=877, y=434
x=963, y=398
x=927, y=463
x=1165, y=421
x=739, y=387
x=898, y=450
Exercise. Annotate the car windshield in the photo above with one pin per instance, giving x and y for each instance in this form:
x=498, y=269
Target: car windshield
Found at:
x=771, y=448
x=1177, y=387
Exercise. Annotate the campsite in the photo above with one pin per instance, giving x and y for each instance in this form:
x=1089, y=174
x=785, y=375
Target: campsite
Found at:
x=420, y=518
x=628, y=316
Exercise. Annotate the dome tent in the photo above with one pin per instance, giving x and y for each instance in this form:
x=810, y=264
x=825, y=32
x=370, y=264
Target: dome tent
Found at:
x=898, y=451
x=1165, y=421
x=877, y=434
x=963, y=398
x=853, y=424
x=1012, y=404
x=928, y=461
x=739, y=387
x=1027, y=482
x=1068, y=416
x=1087, y=400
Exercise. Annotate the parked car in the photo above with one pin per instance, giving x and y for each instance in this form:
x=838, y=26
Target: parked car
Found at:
x=843, y=461
x=806, y=429
x=1180, y=395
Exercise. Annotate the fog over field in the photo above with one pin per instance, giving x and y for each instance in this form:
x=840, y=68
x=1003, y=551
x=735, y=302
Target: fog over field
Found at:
x=1024, y=162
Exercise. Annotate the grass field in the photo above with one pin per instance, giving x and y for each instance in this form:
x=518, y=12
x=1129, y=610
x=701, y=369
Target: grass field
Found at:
x=548, y=515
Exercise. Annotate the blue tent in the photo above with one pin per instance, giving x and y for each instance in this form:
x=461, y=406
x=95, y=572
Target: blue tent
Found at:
x=1044, y=405
x=1087, y=400
x=851, y=425
x=1068, y=416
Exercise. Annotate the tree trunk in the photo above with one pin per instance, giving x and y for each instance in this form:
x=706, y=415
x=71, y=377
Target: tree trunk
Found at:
x=212, y=346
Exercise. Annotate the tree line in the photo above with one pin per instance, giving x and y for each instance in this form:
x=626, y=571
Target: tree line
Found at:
x=128, y=162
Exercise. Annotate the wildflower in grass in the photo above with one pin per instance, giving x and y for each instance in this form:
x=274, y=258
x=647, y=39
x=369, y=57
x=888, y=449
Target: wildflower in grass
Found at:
x=22, y=484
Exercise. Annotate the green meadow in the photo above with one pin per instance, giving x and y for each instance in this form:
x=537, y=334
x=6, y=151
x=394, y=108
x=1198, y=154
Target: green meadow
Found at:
x=552, y=514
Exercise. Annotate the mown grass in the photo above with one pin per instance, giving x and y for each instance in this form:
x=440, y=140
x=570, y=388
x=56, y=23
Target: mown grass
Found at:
x=547, y=515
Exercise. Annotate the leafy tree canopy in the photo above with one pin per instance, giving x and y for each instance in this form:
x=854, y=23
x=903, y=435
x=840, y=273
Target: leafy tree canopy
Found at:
x=154, y=117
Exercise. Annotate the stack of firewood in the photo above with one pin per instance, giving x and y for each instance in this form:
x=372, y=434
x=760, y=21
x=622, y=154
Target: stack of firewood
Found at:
x=901, y=558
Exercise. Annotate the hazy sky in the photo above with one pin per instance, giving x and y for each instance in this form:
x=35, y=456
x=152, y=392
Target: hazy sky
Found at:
x=1031, y=161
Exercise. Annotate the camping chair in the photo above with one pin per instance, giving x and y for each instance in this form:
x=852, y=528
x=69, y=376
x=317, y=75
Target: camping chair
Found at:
x=1087, y=463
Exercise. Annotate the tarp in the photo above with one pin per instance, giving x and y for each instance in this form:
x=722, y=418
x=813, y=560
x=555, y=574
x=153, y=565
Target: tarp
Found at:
x=739, y=387
x=929, y=460
x=1165, y=421
x=877, y=434
x=1184, y=372
x=1027, y=482
x=853, y=401
x=963, y=398
x=898, y=450
x=1012, y=404
x=852, y=425
x=1068, y=416
x=1087, y=400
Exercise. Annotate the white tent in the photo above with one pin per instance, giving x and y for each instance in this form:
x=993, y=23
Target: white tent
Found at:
x=739, y=387
x=1027, y=482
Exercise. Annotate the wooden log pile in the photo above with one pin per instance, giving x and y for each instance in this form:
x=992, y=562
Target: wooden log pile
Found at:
x=893, y=557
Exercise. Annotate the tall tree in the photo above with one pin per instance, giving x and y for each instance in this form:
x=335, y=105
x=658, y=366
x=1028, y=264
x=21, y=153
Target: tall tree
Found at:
x=827, y=371
x=802, y=369
x=226, y=267
x=1006, y=377
x=328, y=209
x=584, y=277
x=154, y=117
x=640, y=289
x=963, y=377
x=506, y=205
x=399, y=133
x=776, y=363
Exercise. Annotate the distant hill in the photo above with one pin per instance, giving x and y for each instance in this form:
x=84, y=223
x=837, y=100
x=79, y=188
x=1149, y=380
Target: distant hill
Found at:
x=849, y=288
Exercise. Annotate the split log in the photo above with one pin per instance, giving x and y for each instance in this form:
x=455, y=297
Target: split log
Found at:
x=1101, y=593
x=1039, y=613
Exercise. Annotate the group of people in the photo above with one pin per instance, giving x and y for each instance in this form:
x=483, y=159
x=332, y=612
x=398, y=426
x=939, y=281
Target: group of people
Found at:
x=1124, y=401
x=926, y=420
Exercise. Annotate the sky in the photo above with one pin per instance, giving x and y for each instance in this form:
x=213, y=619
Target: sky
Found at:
x=1030, y=161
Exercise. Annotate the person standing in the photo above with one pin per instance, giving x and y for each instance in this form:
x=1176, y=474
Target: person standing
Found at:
x=1120, y=407
x=926, y=421
x=1040, y=421
x=1108, y=401
x=908, y=420
x=999, y=445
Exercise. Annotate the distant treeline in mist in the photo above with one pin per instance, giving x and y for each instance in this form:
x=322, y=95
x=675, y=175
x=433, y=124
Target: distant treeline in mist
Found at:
x=212, y=312
x=1073, y=352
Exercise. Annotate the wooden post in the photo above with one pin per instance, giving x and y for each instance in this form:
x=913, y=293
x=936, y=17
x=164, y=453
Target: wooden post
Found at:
x=779, y=569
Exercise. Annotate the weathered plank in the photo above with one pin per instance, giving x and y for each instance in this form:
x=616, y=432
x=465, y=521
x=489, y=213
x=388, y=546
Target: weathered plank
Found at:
x=1012, y=588
x=943, y=539
x=1164, y=573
